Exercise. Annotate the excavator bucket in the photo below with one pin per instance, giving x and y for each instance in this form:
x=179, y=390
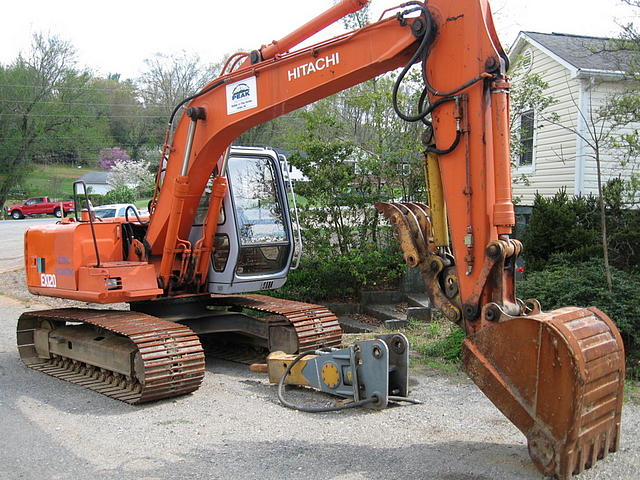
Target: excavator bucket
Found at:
x=558, y=376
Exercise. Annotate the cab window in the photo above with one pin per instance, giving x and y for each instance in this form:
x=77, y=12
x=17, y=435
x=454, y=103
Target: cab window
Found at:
x=259, y=215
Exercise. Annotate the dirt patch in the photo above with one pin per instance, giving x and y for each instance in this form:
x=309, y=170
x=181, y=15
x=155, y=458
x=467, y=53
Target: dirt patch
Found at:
x=368, y=319
x=401, y=307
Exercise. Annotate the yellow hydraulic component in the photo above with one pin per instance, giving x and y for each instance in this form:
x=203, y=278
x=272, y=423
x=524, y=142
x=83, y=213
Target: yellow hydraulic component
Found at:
x=330, y=375
x=277, y=363
x=436, y=200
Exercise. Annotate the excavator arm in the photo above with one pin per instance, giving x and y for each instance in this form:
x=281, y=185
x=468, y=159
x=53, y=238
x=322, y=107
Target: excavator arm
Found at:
x=253, y=94
x=558, y=376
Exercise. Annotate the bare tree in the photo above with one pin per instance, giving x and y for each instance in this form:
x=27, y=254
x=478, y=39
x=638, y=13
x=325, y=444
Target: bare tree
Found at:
x=598, y=133
x=171, y=78
x=37, y=99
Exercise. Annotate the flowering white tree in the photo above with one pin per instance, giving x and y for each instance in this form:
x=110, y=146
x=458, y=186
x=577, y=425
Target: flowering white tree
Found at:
x=134, y=174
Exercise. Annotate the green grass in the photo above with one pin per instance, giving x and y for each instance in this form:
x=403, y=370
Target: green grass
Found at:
x=632, y=391
x=300, y=200
x=437, y=342
x=142, y=203
x=435, y=345
x=55, y=181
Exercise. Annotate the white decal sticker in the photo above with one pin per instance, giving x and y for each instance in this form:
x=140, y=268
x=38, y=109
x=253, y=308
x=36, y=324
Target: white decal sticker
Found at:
x=47, y=280
x=242, y=95
x=312, y=67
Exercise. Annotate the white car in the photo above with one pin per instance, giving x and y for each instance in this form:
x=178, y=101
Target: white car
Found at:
x=117, y=210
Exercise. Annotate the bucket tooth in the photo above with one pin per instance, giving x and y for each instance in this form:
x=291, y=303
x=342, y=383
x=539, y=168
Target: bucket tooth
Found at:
x=559, y=377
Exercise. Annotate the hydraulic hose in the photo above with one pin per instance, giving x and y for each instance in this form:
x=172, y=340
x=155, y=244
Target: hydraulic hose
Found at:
x=421, y=51
x=445, y=151
x=188, y=99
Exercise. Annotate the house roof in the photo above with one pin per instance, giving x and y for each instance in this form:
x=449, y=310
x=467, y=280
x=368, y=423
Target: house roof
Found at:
x=583, y=53
x=94, y=177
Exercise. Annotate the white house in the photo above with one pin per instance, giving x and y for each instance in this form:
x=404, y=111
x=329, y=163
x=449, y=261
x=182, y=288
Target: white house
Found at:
x=582, y=73
x=96, y=182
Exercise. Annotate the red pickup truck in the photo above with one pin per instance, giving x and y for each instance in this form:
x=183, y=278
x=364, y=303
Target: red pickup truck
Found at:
x=39, y=206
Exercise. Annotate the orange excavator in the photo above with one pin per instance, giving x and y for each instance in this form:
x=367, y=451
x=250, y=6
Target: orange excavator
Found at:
x=220, y=227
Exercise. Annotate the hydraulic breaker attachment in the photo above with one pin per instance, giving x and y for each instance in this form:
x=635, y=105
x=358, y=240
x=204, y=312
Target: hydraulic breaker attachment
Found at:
x=559, y=377
x=371, y=372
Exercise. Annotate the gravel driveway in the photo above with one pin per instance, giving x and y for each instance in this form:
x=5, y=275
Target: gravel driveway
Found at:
x=233, y=427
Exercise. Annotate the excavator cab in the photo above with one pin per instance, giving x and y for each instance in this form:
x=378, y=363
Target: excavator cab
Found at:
x=254, y=241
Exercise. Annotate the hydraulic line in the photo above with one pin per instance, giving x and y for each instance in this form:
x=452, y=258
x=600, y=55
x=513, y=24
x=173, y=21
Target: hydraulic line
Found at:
x=438, y=151
x=421, y=51
x=188, y=99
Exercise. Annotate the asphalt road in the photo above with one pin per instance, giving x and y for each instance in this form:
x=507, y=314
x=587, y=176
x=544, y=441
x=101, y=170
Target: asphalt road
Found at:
x=233, y=427
x=12, y=238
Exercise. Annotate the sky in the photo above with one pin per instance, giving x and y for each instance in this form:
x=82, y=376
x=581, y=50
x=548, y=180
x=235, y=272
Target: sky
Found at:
x=116, y=36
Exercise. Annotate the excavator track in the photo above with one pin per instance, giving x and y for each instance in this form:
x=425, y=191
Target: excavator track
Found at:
x=153, y=358
x=316, y=326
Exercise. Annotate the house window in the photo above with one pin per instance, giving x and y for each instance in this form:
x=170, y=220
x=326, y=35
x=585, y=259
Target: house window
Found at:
x=526, y=138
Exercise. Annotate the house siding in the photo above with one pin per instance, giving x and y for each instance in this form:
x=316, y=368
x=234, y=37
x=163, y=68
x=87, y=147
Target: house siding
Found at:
x=561, y=158
x=98, y=188
x=598, y=94
x=555, y=147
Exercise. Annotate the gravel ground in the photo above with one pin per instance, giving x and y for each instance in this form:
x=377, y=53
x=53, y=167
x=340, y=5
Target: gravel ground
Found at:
x=233, y=427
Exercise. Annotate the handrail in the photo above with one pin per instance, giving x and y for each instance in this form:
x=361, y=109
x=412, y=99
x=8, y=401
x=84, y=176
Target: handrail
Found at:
x=88, y=203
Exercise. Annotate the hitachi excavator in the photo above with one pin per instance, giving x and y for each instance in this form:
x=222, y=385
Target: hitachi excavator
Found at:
x=220, y=227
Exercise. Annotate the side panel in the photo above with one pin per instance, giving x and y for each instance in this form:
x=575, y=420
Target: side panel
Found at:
x=54, y=253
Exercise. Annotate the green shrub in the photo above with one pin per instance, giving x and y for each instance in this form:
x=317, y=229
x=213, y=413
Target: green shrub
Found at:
x=326, y=275
x=120, y=194
x=96, y=199
x=583, y=284
x=562, y=224
x=623, y=228
x=569, y=228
